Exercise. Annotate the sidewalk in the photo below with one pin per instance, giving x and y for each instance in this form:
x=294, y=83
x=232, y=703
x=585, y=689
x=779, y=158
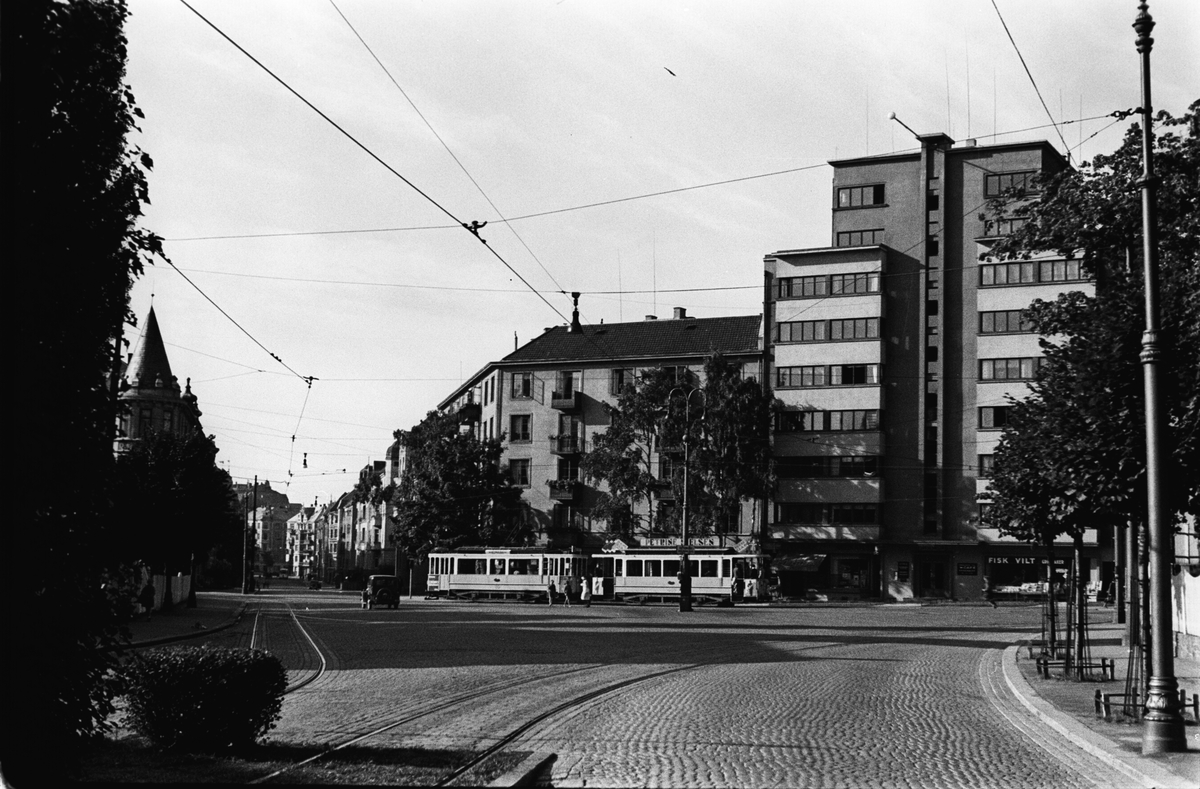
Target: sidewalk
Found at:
x=1069, y=707
x=214, y=611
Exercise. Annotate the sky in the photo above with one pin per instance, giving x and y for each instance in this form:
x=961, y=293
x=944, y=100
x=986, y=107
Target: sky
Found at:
x=646, y=155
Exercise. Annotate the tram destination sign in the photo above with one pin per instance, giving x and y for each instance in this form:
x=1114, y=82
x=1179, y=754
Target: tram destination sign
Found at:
x=675, y=542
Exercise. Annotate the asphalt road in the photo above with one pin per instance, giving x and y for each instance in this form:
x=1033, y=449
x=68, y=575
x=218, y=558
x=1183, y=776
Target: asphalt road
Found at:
x=645, y=696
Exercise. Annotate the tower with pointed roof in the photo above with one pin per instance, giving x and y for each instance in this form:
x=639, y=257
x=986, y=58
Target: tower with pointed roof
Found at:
x=151, y=399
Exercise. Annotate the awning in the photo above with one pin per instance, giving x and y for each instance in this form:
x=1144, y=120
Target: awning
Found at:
x=801, y=563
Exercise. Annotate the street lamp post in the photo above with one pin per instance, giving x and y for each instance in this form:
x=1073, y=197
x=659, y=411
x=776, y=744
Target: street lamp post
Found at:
x=685, y=570
x=1163, y=731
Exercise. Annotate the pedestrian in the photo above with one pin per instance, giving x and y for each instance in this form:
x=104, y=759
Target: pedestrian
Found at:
x=587, y=592
x=551, y=590
x=147, y=598
x=366, y=598
x=567, y=584
x=989, y=595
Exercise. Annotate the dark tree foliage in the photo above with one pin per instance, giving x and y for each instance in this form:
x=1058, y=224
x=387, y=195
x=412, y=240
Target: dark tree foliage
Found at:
x=1074, y=453
x=74, y=188
x=454, y=491
x=178, y=506
x=725, y=419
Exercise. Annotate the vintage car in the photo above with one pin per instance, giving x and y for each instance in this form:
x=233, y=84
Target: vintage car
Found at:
x=382, y=590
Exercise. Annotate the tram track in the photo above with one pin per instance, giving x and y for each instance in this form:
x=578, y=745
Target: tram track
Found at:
x=467, y=701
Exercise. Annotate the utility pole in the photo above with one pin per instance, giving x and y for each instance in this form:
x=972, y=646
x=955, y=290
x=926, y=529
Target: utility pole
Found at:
x=1163, y=728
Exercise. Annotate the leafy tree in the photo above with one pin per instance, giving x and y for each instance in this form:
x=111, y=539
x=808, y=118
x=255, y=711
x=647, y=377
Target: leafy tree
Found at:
x=454, y=491
x=75, y=188
x=726, y=422
x=1073, y=453
x=1089, y=393
x=177, y=503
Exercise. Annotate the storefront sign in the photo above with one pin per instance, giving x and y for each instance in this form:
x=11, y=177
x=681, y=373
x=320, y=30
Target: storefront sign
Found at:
x=671, y=542
x=1059, y=561
x=968, y=568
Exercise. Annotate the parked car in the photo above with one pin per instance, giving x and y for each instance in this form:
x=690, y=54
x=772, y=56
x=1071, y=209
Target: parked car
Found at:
x=383, y=590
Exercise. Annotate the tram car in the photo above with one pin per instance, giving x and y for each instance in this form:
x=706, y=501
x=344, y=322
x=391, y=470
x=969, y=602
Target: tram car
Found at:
x=618, y=573
x=652, y=574
x=503, y=573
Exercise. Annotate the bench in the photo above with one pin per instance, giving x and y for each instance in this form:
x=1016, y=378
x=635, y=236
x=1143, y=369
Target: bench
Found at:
x=1107, y=666
x=1104, y=704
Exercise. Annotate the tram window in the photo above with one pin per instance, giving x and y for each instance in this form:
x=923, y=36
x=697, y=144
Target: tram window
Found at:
x=671, y=567
x=725, y=569
x=472, y=566
x=633, y=568
x=522, y=566
x=654, y=567
x=708, y=568
x=497, y=567
x=618, y=568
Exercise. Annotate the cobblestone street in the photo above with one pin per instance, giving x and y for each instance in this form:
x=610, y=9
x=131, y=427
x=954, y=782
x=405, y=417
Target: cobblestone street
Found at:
x=867, y=696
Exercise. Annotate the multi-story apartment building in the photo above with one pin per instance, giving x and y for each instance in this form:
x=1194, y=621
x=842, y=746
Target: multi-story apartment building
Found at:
x=302, y=542
x=270, y=525
x=894, y=351
x=548, y=399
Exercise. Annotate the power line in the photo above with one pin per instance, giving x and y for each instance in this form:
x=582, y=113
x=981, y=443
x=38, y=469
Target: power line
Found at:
x=1032, y=81
x=473, y=228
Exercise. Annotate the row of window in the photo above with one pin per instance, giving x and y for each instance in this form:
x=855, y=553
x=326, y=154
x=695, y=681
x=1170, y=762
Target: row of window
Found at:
x=826, y=285
x=994, y=185
x=820, y=375
x=827, y=330
x=528, y=385
x=1030, y=272
x=994, y=416
x=1003, y=322
x=826, y=513
x=1016, y=369
x=827, y=421
x=860, y=238
x=818, y=467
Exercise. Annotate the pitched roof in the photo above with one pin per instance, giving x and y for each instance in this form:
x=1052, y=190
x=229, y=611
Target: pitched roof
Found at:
x=150, y=361
x=651, y=339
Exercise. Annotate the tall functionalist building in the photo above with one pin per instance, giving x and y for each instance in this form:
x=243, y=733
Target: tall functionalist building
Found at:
x=894, y=351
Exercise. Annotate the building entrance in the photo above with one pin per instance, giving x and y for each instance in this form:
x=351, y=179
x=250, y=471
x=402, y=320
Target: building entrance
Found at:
x=931, y=577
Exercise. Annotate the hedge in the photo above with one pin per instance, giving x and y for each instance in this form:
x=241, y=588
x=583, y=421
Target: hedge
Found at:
x=205, y=698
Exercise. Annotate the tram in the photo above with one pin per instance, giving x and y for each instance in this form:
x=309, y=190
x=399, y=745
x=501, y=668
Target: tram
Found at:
x=619, y=572
x=512, y=573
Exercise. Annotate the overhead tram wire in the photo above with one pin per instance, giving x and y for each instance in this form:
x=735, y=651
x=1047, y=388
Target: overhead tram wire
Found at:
x=461, y=166
x=1033, y=82
x=472, y=229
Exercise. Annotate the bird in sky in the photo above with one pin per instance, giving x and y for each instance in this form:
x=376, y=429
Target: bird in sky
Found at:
x=672, y=73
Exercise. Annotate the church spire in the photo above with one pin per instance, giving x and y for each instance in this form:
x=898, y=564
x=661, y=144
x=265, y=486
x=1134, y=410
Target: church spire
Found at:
x=150, y=367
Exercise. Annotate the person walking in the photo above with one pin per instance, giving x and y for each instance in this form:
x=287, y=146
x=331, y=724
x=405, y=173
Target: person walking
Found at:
x=567, y=590
x=587, y=592
x=146, y=599
x=550, y=592
x=989, y=594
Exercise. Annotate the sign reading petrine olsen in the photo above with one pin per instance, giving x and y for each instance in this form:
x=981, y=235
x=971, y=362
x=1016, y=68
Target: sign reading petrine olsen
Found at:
x=968, y=568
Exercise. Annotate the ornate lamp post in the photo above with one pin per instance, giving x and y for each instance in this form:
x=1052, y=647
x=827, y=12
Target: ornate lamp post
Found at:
x=1163, y=731
x=685, y=570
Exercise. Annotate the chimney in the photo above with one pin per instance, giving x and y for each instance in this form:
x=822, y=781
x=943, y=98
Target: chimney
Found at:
x=575, y=327
x=680, y=313
x=651, y=317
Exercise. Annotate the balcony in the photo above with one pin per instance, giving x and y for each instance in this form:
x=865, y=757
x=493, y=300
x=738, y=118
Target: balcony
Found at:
x=566, y=445
x=563, y=489
x=566, y=401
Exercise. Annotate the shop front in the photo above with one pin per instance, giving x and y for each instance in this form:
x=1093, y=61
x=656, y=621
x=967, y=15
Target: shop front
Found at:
x=829, y=572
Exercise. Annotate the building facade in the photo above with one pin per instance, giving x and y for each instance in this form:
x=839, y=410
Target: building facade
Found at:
x=549, y=399
x=894, y=352
x=151, y=400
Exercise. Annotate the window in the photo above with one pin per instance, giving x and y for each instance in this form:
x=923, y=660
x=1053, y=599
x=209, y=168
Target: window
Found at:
x=985, y=465
x=847, y=284
x=1029, y=272
x=1003, y=322
x=859, y=196
x=567, y=383
x=854, y=329
x=821, y=375
x=1016, y=369
x=1003, y=226
x=992, y=417
x=859, y=419
x=996, y=184
x=519, y=470
x=801, y=287
x=521, y=428
x=860, y=238
x=826, y=513
x=935, y=202
x=568, y=470
x=522, y=385
x=816, y=467
x=620, y=378
x=934, y=246
x=801, y=331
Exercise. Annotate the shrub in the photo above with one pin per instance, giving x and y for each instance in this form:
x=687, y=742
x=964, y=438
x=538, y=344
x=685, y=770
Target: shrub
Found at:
x=205, y=698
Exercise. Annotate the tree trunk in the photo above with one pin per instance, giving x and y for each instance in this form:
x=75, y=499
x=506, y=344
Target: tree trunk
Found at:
x=1052, y=604
x=1080, y=593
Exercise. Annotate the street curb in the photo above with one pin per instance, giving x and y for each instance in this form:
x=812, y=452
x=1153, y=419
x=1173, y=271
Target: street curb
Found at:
x=1144, y=772
x=526, y=770
x=153, y=642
